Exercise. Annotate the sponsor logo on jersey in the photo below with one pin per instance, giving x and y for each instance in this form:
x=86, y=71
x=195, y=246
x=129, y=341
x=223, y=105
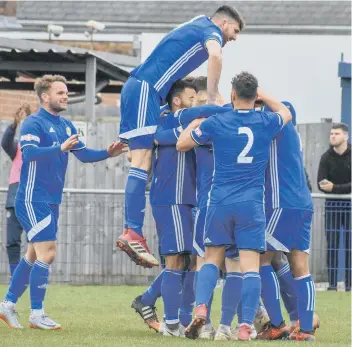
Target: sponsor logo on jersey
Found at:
x=198, y=132
x=30, y=137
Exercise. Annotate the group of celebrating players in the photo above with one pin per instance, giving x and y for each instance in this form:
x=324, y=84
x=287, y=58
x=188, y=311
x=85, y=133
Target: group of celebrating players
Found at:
x=229, y=228
x=245, y=177
x=228, y=193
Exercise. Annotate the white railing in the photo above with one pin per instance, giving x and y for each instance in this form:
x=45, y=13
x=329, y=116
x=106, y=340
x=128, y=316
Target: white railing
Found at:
x=122, y=191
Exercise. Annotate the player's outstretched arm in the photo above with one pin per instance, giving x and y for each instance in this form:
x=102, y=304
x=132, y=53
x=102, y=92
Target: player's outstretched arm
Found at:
x=185, y=141
x=167, y=137
x=88, y=155
x=214, y=69
x=275, y=105
x=31, y=151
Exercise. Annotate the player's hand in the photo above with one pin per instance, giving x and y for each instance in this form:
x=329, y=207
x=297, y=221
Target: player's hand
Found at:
x=69, y=143
x=18, y=116
x=17, y=119
x=260, y=94
x=326, y=185
x=21, y=114
x=117, y=148
x=212, y=99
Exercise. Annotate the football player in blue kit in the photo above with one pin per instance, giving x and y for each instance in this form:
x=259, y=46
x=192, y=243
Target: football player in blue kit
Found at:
x=205, y=169
x=172, y=196
x=180, y=52
x=289, y=213
x=46, y=139
x=241, y=142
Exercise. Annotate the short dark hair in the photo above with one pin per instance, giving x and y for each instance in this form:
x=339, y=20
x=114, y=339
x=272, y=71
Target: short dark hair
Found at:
x=190, y=79
x=177, y=88
x=201, y=83
x=245, y=85
x=342, y=126
x=232, y=13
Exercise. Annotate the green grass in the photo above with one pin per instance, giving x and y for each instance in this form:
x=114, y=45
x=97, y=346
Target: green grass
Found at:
x=101, y=316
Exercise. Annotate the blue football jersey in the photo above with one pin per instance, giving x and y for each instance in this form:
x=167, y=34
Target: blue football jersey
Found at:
x=205, y=170
x=205, y=166
x=180, y=52
x=285, y=179
x=174, y=173
x=241, y=142
x=164, y=108
x=43, y=180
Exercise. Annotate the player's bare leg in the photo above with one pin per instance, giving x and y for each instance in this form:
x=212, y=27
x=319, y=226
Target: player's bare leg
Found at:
x=132, y=241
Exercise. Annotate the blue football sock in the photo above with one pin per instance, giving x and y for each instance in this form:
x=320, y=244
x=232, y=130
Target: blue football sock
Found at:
x=206, y=283
x=239, y=312
x=38, y=283
x=305, y=290
x=171, y=292
x=209, y=309
x=210, y=301
x=19, y=281
x=288, y=292
x=251, y=287
x=271, y=294
x=196, y=273
x=13, y=268
x=150, y=296
x=231, y=296
x=188, y=298
x=135, y=199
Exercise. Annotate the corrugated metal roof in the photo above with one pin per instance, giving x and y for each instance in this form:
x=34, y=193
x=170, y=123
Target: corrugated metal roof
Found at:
x=143, y=16
x=109, y=66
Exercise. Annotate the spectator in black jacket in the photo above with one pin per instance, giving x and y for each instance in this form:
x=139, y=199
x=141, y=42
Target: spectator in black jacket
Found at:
x=334, y=177
x=12, y=149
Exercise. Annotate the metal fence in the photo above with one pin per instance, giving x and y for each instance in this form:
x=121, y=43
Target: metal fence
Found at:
x=91, y=220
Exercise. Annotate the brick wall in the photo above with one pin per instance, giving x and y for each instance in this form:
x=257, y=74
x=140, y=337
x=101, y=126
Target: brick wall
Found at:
x=11, y=100
x=8, y=8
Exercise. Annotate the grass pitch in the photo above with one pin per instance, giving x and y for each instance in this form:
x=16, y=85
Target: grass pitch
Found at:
x=101, y=316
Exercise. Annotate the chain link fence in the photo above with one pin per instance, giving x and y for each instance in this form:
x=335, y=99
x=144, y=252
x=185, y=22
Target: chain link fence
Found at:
x=91, y=220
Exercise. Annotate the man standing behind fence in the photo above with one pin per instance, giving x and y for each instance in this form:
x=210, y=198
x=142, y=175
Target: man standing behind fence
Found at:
x=334, y=177
x=13, y=226
x=46, y=140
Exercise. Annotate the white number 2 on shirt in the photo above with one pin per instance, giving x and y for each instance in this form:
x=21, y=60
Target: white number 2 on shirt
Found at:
x=242, y=159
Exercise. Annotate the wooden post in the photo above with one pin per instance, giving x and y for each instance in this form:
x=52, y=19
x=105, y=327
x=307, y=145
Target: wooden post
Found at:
x=91, y=69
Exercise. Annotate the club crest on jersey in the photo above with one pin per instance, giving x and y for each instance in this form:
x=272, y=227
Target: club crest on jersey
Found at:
x=198, y=132
x=68, y=131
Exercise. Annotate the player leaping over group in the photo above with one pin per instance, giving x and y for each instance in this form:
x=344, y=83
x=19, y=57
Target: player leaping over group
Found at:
x=181, y=51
